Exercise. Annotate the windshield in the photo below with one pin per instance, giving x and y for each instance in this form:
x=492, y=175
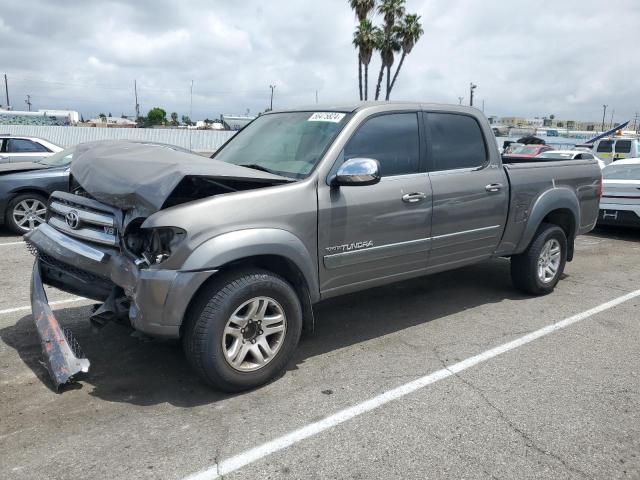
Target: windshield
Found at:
x=622, y=172
x=288, y=144
x=525, y=150
x=59, y=159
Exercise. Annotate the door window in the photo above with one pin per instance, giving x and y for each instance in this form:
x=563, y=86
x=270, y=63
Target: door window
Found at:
x=21, y=145
x=456, y=141
x=623, y=146
x=392, y=139
x=605, y=146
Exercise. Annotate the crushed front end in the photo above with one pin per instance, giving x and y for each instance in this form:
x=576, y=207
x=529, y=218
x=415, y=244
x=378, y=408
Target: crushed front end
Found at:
x=85, y=248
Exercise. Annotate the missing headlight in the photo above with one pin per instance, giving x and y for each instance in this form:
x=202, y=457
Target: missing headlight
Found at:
x=153, y=245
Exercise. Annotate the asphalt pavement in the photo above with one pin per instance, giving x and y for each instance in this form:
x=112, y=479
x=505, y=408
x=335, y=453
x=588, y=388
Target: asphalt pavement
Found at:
x=563, y=404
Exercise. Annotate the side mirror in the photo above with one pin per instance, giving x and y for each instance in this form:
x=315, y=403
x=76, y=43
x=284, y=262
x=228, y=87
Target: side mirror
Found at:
x=358, y=172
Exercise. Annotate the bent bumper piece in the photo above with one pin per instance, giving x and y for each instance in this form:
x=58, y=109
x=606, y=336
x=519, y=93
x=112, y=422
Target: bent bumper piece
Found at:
x=57, y=349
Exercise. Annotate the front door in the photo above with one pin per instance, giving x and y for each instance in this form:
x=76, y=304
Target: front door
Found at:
x=378, y=233
x=469, y=191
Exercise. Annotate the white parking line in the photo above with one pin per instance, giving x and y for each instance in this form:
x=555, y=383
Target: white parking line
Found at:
x=249, y=456
x=56, y=302
x=11, y=243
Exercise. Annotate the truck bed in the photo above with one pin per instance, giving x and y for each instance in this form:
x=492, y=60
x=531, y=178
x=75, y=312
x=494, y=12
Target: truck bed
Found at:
x=531, y=182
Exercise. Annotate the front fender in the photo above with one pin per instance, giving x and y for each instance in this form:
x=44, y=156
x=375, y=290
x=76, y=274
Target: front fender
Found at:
x=228, y=247
x=554, y=199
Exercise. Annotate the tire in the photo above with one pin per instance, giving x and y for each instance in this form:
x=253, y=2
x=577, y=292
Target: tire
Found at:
x=525, y=271
x=209, y=347
x=29, y=203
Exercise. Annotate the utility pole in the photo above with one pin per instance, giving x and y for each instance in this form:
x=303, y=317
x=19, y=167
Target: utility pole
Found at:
x=6, y=91
x=635, y=122
x=613, y=111
x=191, y=103
x=472, y=87
x=28, y=101
x=460, y=100
x=604, y=112
x=272, y=87
x=316, y=97
x=483, y=105
x=135, y=90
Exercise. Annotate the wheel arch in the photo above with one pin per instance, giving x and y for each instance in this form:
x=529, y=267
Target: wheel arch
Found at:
x=29, y=189
x=277, y=251
x=558, y=206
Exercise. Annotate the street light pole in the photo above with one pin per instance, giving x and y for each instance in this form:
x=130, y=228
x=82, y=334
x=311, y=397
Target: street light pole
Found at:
x=604, y=112
x=272, y=87
x=472, y=87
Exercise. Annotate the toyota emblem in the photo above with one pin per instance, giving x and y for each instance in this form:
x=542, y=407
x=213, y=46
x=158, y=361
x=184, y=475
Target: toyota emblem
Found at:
x=72, y=219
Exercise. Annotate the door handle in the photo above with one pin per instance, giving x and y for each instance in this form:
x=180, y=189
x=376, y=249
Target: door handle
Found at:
x=414, y=197
x=493, y=187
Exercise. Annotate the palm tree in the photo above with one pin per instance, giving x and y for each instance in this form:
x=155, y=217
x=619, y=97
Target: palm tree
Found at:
x=391, y=10
x=362, y=9
x=174, y=118
x=365, y=39
x=409, y=32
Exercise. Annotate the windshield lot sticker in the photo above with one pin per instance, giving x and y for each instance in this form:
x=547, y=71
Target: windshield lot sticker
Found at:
x=334, y=117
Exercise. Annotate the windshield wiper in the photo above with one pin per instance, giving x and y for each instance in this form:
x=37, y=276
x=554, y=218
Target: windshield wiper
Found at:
x=255, y=166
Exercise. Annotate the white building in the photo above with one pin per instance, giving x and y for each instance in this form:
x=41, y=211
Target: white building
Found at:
x=74, y=117
x=112, y=122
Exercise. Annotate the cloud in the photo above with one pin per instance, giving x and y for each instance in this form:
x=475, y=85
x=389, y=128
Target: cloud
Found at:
x=528, y=58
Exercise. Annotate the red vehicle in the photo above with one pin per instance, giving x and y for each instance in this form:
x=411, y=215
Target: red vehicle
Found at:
x=526, y=151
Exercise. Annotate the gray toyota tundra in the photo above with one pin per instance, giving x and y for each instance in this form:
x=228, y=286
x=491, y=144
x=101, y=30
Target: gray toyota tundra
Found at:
x=230, y=253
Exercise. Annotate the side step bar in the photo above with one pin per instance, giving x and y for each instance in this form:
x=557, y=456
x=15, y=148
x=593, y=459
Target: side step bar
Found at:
x=60, y=352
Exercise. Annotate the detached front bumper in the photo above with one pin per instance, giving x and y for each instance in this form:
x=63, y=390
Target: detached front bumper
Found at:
x=157, y=299
x=59, y=349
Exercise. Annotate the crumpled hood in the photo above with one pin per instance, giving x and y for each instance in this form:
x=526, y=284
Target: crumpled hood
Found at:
x=141, y=176
x=6, y=168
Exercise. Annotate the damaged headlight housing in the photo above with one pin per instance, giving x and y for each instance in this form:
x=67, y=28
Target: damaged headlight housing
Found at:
x=154, y=245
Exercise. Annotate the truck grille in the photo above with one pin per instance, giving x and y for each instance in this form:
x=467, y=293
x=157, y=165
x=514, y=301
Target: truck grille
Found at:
x=71, y=215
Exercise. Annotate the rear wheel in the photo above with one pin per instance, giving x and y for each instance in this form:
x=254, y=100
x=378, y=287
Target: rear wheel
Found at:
x=243, y=330
x=538, y=269
x=25, y=212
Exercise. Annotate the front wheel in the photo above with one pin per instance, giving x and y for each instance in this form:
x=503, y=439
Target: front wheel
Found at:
x=25, y=212
x=243, y=330
x=538, y=269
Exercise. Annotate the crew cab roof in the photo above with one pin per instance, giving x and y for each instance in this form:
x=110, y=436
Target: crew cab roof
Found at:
x=360, y=106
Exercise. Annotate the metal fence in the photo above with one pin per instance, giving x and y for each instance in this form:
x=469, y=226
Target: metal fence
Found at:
x=202, y=141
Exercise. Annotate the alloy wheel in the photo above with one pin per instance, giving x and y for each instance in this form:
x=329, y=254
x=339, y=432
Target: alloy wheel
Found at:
x=549, y=260
x=254, y=334
x=29, y=213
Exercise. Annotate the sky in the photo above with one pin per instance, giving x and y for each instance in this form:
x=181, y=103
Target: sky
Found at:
x=529, y=58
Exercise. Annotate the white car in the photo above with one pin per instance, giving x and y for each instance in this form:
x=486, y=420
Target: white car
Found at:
x=15, y=149
x=571, y=155
x=620, y=201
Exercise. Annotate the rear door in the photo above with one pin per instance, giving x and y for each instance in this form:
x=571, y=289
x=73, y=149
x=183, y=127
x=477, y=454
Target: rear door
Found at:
x=470, y=191
x=378, y=233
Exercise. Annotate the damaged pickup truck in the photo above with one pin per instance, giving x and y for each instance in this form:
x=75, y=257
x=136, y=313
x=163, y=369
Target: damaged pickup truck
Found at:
x=230, y=254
